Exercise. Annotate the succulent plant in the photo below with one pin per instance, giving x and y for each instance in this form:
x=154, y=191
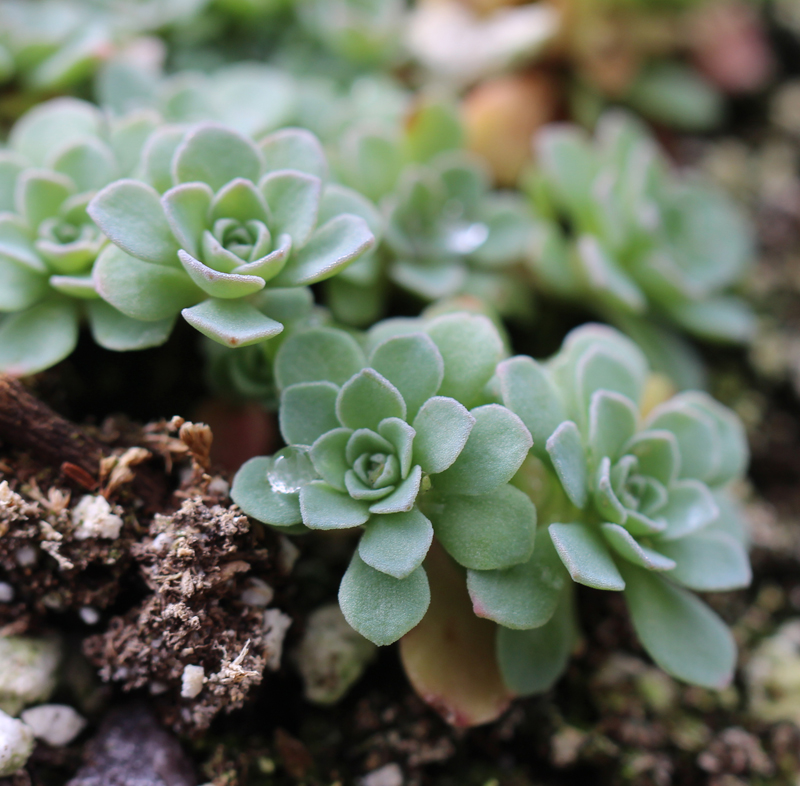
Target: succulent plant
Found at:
x=621, y=230
x=239, y=225
x=627, y=502
x=59, y=154
x=400, y=442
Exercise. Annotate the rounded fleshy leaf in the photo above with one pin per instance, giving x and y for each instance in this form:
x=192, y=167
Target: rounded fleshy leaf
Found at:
x=396, y=543
x=114, y=330
x=234, y=323
x=20, y=287
x=628, y=547
x=318, y=354
x=708, y=561
x=157, y=156
x=216, y=284
x=293, y=200
x=612, y=422
x=332, y=247
x=531, y=661
x=324, y=507
x=239, y=199
x=88, y=163
x=680, y=633
x=494, y=451
x=471, y=348
x=186, y=208
x=690, y=507
x=307, y=411
x=366, y=399
x=294, y=148
x=525, y=595
x=11, y=166
x=215, y=155
x=585, y=555
x=16, y=243
x=328, y=457
x=40, y=194
x=658, y=454
x=442, y=428
x=402, y=499
x=130, y=214
x=413, y=365
x=526, y=389
x=566, y=451
x=253, y=493
x=39, y=337
x=75, y=286
x=486, y=532
x=141, y=290
x=401, y=436
x=380, y=607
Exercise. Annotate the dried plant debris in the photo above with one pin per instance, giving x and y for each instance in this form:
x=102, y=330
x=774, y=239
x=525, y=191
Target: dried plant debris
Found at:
x=59, y=552
x=196, y=640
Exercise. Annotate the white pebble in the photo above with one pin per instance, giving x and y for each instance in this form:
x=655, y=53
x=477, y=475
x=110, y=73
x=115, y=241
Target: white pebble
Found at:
x=390, y=775
x=93, y=518
x=16, y=744
x=277, y=623
x=56, y=724
x=6, y=592
x=89, y=615
x=258, y=593
x=26, y=556
x=219, y=487
x=192, y=681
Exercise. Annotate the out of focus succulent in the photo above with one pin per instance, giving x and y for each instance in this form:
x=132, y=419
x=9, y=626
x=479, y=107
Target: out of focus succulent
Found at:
x=622, y=231
x=59, y=155
x=238, y=222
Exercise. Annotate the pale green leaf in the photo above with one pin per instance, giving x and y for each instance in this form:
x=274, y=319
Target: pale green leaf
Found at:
x=234, y=323
x=366, y=399
x=323, y=507
x=628, y=547
x=114, y=330
x=585, y=555
x=612, y=422
x=566, y=451
x=307, y=411
x=396, y=543
x=296, y=149
x=443, y=427
x=708, y=561
x=318, y=354
x=293, y=200
x=216, y=284
x=253, y=493
x=186, y=207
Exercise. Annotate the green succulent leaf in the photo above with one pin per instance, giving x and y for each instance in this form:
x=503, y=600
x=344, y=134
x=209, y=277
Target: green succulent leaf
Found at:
x=254, y=494
x=16, y=243
x=471, y=348
x=490, y=531
x=318, y=354
x=157, y=156
x=75, y=286
x=401, y=436
x=20, y=287
x=658, y=454
x=566, y=451
x=88, y=163
x=296, y=149
x=526, y=390
x=130, y=214
x=708, y=561
x=380, y=607
x=332, y=247
x=413, y=365
x=40, y=194
x=215, y=155
x=39, y=337
x=293, y=200
x=216, y=284
x=396, y=543
x=628, y=547
x=114, y=330
x=239, y=199
x=329, y=458
x=324, y=507
x=494, y=451
x=142, y=290
x=680, y=633
x=368, y=398
x=442, y=428
x=307, y=411
x=186, y=208
x=691, y=506
x=531, y=661
x=612, y=422
x=403, y=497
x=585, y=555
x=523, y=596
x=234, y=323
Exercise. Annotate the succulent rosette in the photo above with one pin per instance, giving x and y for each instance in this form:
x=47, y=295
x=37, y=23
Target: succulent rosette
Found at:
x=238, y=222
x=620, y=229
x=59, y=154
x=449, y=234
x=635, y=504
x=397, y=441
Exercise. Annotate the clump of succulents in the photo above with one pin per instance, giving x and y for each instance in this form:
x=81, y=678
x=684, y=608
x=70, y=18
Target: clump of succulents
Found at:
x=400, y=441
x=59, y=154
x=628, y=502
x=238, y=227
x=621, y=229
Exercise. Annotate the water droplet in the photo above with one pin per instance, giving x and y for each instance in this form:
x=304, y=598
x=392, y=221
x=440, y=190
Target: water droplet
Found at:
x=291, y=470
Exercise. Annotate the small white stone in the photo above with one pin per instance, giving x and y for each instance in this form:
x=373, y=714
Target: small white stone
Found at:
x=192, y=681
x=27, y=671
x=26, y=556
x=161, y=542
x=56, y=724
x=89, y=615
x=287, y=554
x=277, y=623
x=390, y=775
x=6, y=592
x=93, y=518
x=257, y=593
x=219, y=487
x=16, y=744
